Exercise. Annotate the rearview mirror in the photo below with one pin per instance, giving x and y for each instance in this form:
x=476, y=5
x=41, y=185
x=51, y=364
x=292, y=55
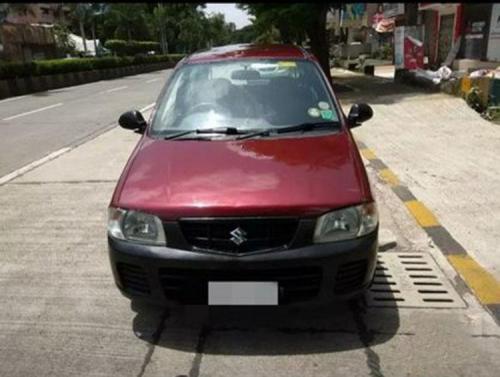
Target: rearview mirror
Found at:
x=133, y=120
x=359, y=113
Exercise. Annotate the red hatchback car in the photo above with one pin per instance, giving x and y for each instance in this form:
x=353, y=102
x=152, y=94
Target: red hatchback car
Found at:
x=246, y=187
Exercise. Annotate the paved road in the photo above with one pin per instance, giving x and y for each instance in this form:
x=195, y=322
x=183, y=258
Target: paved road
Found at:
x=36, y=125
x=60, y=314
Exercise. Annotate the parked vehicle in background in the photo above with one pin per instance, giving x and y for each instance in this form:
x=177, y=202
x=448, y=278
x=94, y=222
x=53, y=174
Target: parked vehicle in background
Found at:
x=245, y=188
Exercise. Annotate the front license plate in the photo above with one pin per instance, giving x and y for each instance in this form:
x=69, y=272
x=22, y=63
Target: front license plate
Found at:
x=242, y=293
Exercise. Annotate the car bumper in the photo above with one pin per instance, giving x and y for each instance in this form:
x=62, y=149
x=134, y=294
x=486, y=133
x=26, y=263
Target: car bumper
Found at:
x=316, y=273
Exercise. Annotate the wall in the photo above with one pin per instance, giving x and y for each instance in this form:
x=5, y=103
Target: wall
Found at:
x=493, y=50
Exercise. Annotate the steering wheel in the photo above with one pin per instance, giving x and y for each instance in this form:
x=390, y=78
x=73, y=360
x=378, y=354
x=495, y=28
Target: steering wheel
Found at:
x=205, y=106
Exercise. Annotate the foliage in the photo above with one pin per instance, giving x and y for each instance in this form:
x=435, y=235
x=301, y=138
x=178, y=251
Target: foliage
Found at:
x=473, y=99
x=64, y=43
x=57, y=66
x=130, y=48
x=129, y=20
x=246, y=34
x=295, y=22
x=385, y=52
x=271, y=35
x=177, y=27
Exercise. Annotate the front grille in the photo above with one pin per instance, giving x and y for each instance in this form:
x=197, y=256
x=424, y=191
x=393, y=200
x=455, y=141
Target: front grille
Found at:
x=259, y=234
x=350, y=276
x=133, y=278
x=189, y=286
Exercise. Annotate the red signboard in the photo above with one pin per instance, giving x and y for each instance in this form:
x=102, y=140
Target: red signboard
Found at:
x=413, y=53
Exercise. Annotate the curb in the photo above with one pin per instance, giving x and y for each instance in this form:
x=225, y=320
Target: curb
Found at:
x=471, y=275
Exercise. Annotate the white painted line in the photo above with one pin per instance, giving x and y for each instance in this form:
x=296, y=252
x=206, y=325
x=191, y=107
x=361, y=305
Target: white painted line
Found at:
x=147, y=107
x=152, y=80
x=34, y=111
x=31, y=166
x=116, y=89
x=12, y=99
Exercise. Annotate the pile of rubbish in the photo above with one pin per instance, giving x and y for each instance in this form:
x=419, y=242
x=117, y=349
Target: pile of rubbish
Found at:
x=443, y=73
x=492, y=73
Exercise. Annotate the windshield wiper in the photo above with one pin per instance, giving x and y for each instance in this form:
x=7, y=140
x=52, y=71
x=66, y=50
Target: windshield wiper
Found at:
x=297, y=127
x=222, y=130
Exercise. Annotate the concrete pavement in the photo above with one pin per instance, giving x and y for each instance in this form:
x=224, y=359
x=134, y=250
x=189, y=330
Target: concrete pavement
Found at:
x=443, y=151
x=36, y=125
x=60, y=314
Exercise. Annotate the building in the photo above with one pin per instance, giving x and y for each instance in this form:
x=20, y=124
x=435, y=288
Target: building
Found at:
x=26, y=32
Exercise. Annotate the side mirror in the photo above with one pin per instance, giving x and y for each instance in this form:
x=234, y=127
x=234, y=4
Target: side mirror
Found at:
x=359, y=113
x=133, y=120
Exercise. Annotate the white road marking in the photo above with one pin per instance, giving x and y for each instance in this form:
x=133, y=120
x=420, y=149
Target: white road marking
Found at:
x=152, y=80
x=32, y=165
x=116, y=89
x=34, y=111
x=12, y=99
x=146, y=108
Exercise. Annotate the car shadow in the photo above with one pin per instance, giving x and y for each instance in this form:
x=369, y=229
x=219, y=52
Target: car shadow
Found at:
x=290, y=330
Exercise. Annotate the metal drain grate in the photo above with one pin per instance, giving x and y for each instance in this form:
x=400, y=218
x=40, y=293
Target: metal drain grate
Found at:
x=411, y=280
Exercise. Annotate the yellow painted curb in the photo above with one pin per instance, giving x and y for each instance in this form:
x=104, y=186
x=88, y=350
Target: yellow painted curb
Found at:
x=388, y=176
x=421, y=213
x=368, y=154
x=484, y=285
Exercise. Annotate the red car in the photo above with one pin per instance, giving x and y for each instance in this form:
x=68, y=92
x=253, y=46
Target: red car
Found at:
x=246, y=187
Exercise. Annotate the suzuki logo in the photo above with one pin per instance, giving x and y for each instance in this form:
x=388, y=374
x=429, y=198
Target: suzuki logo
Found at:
x=238, y=236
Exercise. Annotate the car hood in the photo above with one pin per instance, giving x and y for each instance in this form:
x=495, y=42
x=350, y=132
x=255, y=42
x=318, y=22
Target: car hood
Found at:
x=303, y=176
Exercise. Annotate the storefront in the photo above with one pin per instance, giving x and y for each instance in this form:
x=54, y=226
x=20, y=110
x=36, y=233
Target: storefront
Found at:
x=443, y=20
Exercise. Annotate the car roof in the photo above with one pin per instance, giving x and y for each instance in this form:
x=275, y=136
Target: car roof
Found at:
x=249, y=51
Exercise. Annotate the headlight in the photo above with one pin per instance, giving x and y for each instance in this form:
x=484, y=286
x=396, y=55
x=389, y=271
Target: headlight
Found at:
x=135, y=226
x=347, y=223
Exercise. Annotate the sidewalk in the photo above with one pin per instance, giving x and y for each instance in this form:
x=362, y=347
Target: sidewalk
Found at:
x=442, y=150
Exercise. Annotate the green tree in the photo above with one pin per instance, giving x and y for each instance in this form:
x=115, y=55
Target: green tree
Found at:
x=295, y=22
x=95, y=14
x=246, y=34
x=64, y=43
x=217, y=31
x=82, y=14
x=127, y=20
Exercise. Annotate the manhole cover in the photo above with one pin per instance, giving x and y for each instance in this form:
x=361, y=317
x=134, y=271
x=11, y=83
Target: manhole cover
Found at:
x=411, y=280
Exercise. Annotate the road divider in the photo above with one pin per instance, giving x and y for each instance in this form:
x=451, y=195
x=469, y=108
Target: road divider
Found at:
x=484, y=286
x=34, y=111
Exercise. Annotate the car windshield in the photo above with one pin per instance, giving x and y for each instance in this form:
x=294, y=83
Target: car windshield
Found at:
x=244, y=94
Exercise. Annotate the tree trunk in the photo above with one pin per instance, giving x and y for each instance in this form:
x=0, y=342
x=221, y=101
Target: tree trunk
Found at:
x=82, y=32
x=319, y=40
x=163, y=39
x=93, y=37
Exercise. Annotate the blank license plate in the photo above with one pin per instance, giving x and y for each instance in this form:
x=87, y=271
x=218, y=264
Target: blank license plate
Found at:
x=242, y=293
